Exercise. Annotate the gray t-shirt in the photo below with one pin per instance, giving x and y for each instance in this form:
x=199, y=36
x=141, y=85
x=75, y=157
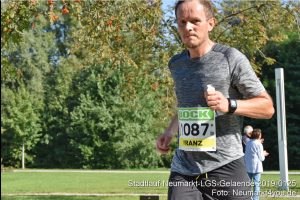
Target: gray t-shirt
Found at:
x=230, y=72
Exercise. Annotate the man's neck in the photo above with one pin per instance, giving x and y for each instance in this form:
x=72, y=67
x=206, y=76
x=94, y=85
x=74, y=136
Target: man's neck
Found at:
x=201, y=50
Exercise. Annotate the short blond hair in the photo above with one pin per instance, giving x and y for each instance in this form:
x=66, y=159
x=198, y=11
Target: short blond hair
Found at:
x=208, y=8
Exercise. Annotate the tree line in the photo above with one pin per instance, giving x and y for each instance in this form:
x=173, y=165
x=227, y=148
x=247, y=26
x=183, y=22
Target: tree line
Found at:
x=85, y=84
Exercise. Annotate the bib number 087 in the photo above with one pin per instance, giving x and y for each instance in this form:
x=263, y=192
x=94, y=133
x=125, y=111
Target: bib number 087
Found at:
x=194, y=128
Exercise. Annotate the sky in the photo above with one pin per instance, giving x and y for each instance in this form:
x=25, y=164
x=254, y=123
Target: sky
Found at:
x=166, y=3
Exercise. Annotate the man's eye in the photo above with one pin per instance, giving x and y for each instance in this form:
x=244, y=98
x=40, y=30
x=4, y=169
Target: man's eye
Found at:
x=196, y=21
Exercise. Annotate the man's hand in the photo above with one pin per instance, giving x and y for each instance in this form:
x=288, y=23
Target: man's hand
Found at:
x=266, y=153
x=216, y=101
x=163, y=142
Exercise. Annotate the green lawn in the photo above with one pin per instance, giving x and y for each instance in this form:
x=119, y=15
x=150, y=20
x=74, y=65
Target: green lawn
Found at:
x=104, y=183
x=73, y=182
x=67, y=198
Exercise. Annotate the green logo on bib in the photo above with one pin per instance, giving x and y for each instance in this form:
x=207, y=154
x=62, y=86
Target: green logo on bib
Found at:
x=196, y=114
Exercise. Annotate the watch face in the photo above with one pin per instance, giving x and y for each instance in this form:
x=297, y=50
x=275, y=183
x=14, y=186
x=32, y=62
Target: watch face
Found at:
x=233, y=103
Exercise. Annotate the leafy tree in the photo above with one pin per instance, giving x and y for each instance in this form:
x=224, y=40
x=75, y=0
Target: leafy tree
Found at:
x=16, y=16
x=108, y=126
x=31, y=59
x=64, y=125
x=20, y=118
x=53, y=148
x=287, y=57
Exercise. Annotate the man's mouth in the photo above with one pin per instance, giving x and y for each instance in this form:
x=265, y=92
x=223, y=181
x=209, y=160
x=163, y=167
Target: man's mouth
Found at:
x=190, y=36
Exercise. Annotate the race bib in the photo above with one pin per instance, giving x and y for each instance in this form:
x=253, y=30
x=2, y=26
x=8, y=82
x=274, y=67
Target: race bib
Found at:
x=197, y=130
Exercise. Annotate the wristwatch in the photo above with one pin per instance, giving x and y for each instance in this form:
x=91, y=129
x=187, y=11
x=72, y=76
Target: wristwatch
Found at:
x=232, y=105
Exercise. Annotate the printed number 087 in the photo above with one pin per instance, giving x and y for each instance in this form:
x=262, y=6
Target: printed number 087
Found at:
x=193, y=128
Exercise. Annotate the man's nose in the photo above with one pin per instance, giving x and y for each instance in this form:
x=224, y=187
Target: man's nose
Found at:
x=188, y=26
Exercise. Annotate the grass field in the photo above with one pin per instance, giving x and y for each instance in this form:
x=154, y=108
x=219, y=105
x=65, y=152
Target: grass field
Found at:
x=103, y=183
x=67, y=198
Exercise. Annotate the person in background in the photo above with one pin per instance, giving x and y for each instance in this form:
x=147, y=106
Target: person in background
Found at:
x=254, y=155
x=246, y=137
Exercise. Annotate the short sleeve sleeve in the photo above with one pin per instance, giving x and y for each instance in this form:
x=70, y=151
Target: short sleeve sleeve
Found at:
x=243, y=76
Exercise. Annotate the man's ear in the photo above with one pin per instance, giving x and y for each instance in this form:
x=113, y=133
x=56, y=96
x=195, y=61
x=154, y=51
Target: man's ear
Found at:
x=211, y=23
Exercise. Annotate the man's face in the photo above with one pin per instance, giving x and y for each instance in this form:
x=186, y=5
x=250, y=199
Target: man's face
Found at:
x=193, y=25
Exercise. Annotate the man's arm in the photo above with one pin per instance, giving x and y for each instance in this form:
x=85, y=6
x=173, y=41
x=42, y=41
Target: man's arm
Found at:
x=260, y=107
x=164, y=140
